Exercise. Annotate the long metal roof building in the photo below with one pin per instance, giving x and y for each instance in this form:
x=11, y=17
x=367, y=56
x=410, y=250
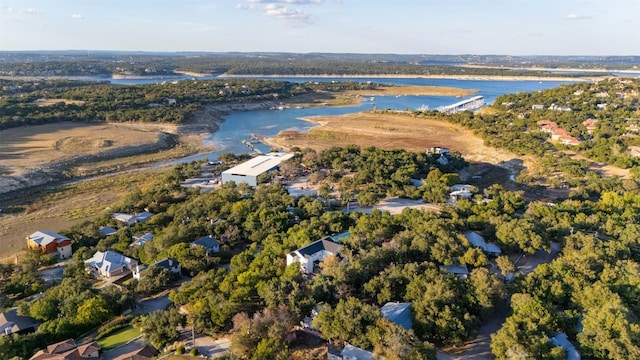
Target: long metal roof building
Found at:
x=249, y=171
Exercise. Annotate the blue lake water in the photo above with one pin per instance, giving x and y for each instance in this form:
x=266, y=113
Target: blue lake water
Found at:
x=240, y=126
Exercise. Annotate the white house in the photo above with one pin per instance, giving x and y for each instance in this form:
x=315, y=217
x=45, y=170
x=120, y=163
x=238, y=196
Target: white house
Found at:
x=477, y=240
x=248, y=171
x=110, y=264
x=313, y=254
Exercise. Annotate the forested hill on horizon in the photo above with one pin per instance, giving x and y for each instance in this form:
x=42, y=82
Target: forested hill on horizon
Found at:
x=140, y=63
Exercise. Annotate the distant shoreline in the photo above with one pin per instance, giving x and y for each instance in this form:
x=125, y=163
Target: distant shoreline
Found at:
x=325, y=76
x=452, y=77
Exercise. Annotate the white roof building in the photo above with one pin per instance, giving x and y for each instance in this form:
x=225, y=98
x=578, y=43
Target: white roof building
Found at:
x=248, y=171
x=111, y=263
x=478, y=241
x=132, y=219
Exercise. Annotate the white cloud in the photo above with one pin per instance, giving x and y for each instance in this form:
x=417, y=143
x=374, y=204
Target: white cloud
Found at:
x=576, y=17
x=29, y=11
x=283, y=12
x=291, y=2
x=286, y=10
x=77, y=16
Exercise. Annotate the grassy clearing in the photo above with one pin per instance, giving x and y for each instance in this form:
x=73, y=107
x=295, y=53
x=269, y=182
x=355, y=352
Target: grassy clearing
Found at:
x=65, y=206
x=119, y=338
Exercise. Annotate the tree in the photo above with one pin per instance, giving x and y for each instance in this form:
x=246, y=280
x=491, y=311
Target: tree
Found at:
x=44, y=309
x=160, y=328
x=505, y=265
x=154, y=279
x=263, y=336
x=521, y=234
x=350, y=321
x=525, y=334
x=93, y=311
x=610, y=329
x=487, y=289
x=392, y=342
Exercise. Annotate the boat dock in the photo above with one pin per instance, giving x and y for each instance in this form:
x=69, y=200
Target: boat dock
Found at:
x=470, y=104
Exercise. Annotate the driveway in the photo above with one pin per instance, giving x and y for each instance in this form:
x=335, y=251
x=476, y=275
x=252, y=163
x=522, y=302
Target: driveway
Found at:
x=52, y=275
x=153, y=304
x=211, y=348
x=393, y=205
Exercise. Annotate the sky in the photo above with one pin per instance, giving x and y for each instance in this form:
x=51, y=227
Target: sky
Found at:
x=499, y=27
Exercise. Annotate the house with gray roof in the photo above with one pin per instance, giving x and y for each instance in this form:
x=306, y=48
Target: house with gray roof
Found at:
x=12, y=323
x=350, y=352
x=398, y=313
x=139, y=240
x=110, y=264
x=132, y=219
x=477, y=240
x=107, y=230
x=313, y=254
x=208, y=242
x=170, y=264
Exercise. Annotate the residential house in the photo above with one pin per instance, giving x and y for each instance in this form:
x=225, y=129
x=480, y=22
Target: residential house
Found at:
x=50, y=243
x=68, y=350
x=144, y=353
x=170, y=264
x=208, y=242
x=477, y=240
x=537, y=107
x=398, y=313
x=12, y=323
x=112, y=264
x=139, y=240
x=460, y=191
x=560, y=107
x=437, y=150
x=461, y=271
x=313, y=254
x=557, y=133
x=349, y=352
x=590, y=124
x=107, y=230
x=132, y=219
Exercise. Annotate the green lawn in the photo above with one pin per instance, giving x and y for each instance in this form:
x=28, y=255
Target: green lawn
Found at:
x=118, y=338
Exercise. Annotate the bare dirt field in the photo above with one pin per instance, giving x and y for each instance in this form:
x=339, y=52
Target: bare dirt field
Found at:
x=49, y=102
x=414, y=91
x=31, y=146
x=390, y=131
